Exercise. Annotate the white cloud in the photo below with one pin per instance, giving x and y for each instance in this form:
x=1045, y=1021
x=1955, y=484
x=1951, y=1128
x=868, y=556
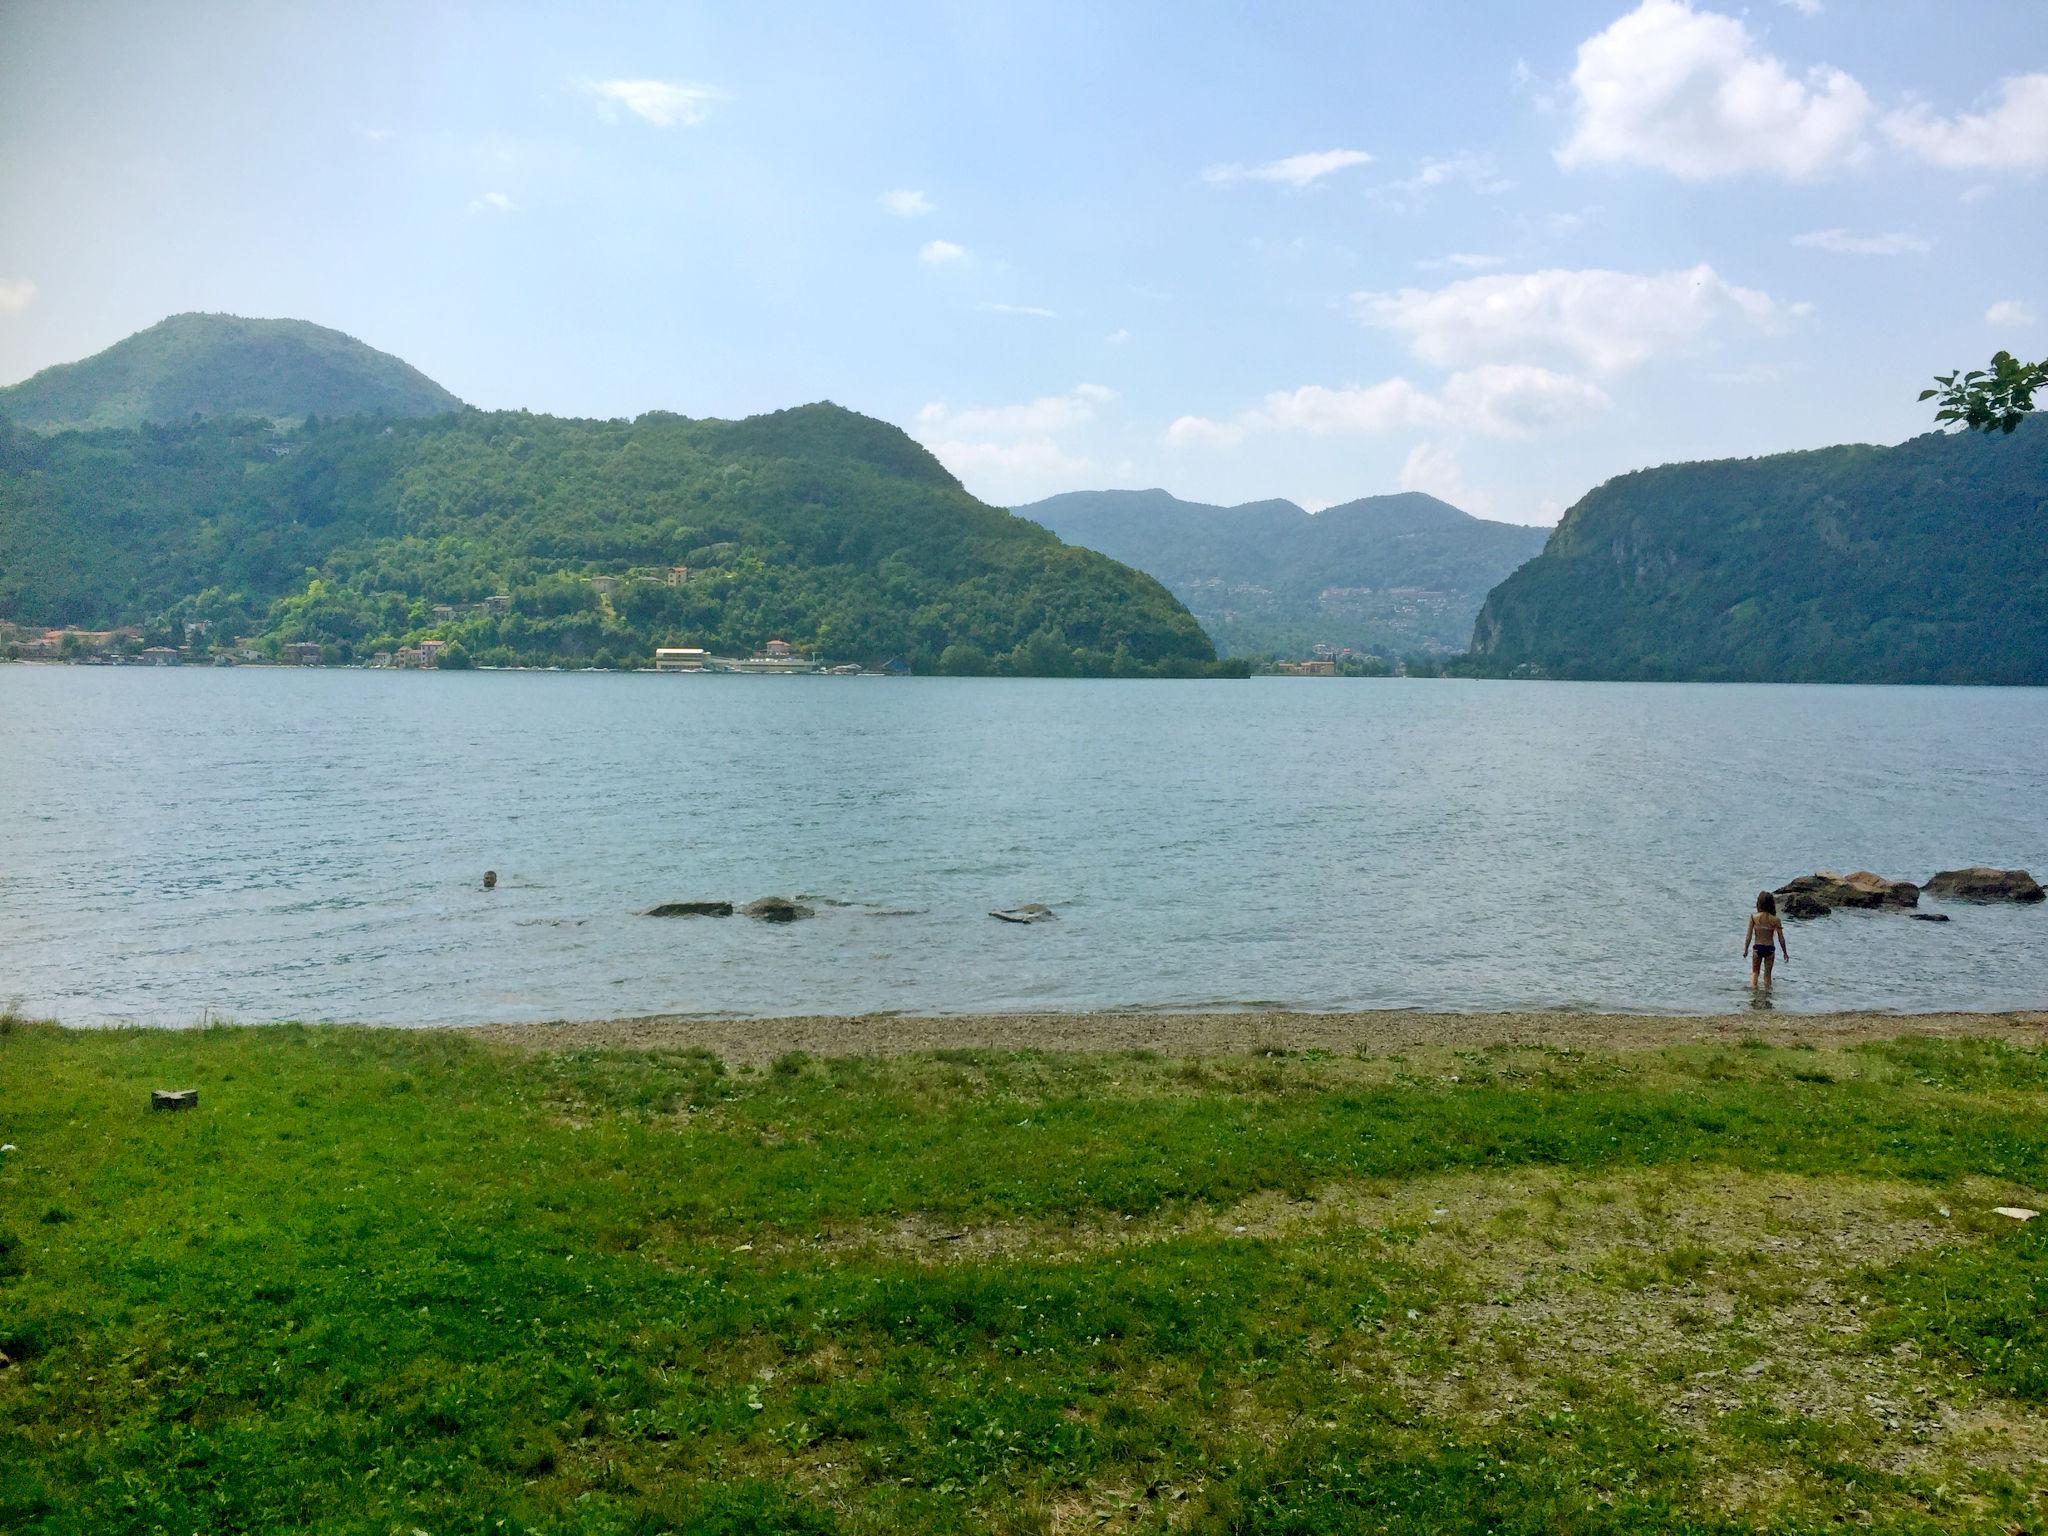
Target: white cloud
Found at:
x=1476, y=173
x=1026, y=461
x=14, y=296
x=906, y=204
x=1037, y=418
x=1296, y=171
x=1843, y=242
x=1462, y=261
x=1608, y=321
x=1689, y=92
x=1433, y=468
x=1518, y=399
x=1117, y=337
x=664, y=103
x=2011, y=136
x=2010, y=312
x=378, y=135
x=1976, y=194
x=1511, y=400
x=492, y=202
x=936, y=253
x=1031, y=311
x=1803, y=7
x=1014, y=452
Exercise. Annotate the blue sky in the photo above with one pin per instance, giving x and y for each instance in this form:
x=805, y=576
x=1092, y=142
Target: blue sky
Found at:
x=1496, y=251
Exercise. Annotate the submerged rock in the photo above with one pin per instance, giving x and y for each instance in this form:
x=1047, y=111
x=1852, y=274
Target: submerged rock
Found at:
x=1929, y=917
x=777, y=909
x=1861, y=889
x=691, y=909
x=1801, y=905
x=1030, y=912
x=1981, y=884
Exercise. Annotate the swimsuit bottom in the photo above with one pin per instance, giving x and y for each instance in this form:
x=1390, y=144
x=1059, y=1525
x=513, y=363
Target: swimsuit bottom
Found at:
x=1764, y=951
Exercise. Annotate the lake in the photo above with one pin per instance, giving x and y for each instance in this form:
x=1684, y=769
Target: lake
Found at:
x=262, y=844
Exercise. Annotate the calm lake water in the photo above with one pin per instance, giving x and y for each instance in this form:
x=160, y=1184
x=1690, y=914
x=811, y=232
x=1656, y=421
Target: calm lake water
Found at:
x=267, y=844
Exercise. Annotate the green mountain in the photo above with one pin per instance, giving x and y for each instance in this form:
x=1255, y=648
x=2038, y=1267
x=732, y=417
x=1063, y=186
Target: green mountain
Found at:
x=220, y=365
x=1394, y=575
x=1923, y=563
x=816, y=526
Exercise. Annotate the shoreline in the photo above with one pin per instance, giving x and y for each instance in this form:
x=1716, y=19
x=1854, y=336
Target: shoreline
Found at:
x=1244, y=1032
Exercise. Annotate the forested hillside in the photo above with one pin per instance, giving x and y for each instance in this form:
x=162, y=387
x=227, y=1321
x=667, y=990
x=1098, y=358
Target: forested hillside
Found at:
x=1395, y=575
x=1923, y=563
x=218, y=365
x=817, y=526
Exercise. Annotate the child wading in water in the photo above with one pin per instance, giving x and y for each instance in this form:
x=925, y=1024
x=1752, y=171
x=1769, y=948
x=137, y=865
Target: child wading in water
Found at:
x=1764, y=939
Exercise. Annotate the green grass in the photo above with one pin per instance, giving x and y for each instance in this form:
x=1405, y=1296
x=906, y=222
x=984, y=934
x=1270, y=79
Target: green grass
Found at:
x=386, y=1282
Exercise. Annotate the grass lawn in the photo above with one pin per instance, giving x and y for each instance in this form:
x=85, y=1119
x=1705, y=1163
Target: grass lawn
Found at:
x=417, y=1283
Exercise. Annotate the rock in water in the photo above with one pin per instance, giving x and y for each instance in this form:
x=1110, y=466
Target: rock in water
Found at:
x=1030, y=912
x=777, y=909
x=1801, y=904
x=1862, y=889
x=1981, y=884
x=691, y=909
x=1929, y=917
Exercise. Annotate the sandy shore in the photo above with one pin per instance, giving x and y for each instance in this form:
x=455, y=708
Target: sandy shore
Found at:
x=1214, y=1034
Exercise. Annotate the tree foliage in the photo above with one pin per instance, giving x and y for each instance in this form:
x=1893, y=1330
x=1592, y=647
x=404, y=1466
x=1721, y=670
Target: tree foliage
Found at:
x=1994, y=399
x=816, y=526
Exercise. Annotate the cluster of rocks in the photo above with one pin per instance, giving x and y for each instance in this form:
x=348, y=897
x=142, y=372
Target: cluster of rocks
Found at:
x=1819, y=894
x=769, y=909
x=780, y=909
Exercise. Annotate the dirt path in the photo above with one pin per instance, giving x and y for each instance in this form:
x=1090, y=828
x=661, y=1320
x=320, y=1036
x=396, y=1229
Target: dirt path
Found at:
x=1214, y=1034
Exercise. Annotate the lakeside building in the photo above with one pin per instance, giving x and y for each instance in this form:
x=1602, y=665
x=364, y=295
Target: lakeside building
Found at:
x=303, y=653
x=1321, y=667
x=681, y=658
x=407, y=656
x=430, y=652
x=160, y=656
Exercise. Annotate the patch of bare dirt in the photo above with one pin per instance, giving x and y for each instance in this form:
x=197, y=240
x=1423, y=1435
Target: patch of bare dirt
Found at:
x=759, y=1041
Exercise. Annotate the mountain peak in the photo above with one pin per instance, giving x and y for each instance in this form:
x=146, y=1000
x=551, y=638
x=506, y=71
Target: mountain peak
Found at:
x=196, y=363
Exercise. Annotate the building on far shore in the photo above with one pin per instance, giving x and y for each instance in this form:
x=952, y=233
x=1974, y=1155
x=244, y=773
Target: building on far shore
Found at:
x=303, y=653
x=430, y=652
x=776, y=650
x=680, y=658
x=160, y=656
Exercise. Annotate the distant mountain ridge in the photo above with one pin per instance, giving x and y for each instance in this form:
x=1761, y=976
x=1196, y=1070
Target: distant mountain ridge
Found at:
x=1921, y=563
x=224, y=365
x=1396, y=574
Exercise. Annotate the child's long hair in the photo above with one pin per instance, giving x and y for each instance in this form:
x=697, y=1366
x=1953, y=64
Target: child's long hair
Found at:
x=1766, y=902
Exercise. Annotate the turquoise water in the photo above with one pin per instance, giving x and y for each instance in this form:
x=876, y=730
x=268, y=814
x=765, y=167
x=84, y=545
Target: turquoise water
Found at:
x=266, y=844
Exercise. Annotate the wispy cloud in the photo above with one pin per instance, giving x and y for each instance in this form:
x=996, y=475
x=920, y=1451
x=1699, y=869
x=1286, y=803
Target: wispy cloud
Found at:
x=1295, y=171
x=2013, y=312
x=664, y=103
x=1475, y=173
x=492, y=202
x=1608, y=321
x=378, y=135
x=1031, y=311
x=938, y=253
x=15, y=294
x=1117, y=337
x=1507, y=400
x=1461, y=261
x=1844, y=242
x=906, y=204
x=2010, y=136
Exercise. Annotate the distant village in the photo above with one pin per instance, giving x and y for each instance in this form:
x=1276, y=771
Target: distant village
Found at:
x=1336, y=661
x=128, y=646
